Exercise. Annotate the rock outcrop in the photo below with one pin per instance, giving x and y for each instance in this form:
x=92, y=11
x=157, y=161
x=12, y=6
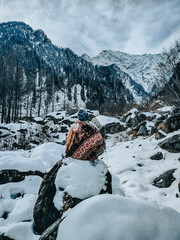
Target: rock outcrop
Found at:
x=111, y=128
x=45, y=213
x=108, y=125
x=10, y=175
x=171, y=144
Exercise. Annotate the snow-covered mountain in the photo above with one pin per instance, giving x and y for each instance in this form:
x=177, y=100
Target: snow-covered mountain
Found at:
x=51, y=76
x=140, y=68
x=46, y=74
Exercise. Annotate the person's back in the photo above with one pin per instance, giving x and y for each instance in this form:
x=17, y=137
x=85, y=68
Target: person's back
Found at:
x=84, y=141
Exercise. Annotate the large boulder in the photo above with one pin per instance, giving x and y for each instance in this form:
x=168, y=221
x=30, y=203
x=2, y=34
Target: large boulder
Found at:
x=138, y=119
x=171, y=144
x=108, y=125
x=170, y=124
x=173, y=122
x=175, y=110
x=134, y=117
x=45, y=213
x=68, y=183
x=142, y=131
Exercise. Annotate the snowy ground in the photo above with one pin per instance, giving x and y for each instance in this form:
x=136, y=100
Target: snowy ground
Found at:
x=133, y=173
x=130, y=162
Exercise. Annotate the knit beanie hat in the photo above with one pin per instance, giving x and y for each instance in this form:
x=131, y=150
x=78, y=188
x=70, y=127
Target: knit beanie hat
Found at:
x=82, y=115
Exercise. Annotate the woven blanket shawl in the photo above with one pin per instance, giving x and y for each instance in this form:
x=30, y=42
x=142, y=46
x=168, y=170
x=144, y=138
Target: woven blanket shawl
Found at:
x=84, y=142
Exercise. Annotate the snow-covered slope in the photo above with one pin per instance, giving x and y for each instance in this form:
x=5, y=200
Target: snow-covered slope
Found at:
x=140, y=68
x=136, y=203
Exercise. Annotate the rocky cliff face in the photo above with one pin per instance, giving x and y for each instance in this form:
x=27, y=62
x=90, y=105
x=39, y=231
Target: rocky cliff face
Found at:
x=140, y=69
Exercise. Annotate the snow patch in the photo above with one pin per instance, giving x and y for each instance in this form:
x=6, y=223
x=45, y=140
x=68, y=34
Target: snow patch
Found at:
x=80, y=179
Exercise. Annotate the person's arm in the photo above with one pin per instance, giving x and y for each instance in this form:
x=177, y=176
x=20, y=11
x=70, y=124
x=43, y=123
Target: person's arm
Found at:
x=69, y=140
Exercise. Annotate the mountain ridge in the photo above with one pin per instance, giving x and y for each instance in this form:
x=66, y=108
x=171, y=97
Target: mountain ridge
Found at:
x=141, y=68
x=52, y=72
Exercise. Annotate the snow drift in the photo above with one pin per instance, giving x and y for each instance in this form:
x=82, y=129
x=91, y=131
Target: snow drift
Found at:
x=107, y=217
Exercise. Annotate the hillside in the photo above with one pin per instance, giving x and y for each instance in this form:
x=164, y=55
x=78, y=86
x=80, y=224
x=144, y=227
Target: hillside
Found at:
x=45, y=78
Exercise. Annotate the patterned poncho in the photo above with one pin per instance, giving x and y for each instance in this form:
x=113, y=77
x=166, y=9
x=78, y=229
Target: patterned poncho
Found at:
x=84, y=142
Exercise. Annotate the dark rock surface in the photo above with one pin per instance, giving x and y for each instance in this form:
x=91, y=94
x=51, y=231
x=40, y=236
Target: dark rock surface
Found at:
x=165, y=180
x=45, y=214
x=111, y=128
x=142, y=131
x=9, y=175
x=152, y=131
x=138, y=119
x=171, y=144
x=157, y=156
x=159, y=135
x=176, y=110
x=173, y=123
x=51, y=232
x=2, y=237
x=143, y=123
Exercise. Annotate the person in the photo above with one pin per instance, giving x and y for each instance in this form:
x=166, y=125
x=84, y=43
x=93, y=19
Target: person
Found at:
x=84, y=141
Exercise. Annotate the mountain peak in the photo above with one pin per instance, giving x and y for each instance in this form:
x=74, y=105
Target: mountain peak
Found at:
x=15, y=25
x=19, y=32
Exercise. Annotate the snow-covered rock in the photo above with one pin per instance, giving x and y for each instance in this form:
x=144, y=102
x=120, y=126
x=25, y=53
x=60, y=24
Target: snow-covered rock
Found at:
x=108, y=125
x=171, y=144
x=80, y=179
x=69, y=182
x=112, y=217
x=19, y=231
x=42, y=158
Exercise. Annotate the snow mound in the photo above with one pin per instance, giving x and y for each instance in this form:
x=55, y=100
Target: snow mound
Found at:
x=80, y=179
x=110, y=217
x=20, y=231
x=43, y=158
x=165, y=109
x=50, y=151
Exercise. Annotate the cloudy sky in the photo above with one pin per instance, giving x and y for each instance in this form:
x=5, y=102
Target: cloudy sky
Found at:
x=90, y=26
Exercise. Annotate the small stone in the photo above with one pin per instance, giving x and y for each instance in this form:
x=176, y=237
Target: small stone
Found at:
x=157, y=156
x=140, y=164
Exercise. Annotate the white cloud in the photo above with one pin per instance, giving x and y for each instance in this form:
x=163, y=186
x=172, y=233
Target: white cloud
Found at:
x=134, y=26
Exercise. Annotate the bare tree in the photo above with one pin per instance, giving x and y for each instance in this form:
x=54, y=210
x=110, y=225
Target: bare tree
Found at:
x=168, y=74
